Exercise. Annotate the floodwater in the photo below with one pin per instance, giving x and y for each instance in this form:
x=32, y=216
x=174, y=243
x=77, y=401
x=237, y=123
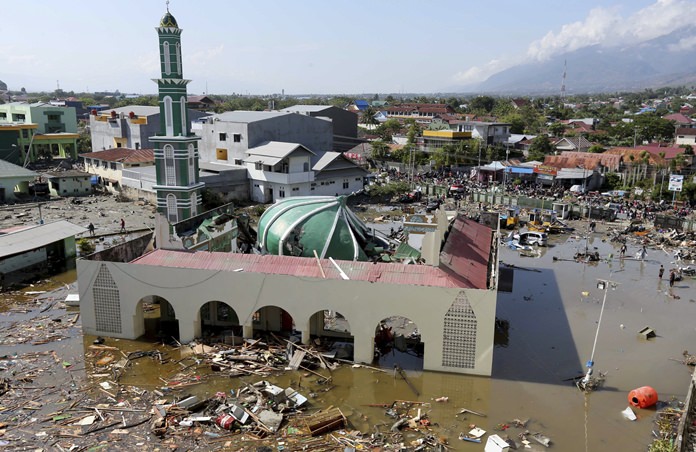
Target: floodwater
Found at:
x=552, y=326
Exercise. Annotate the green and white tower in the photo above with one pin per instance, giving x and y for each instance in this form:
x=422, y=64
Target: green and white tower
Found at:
x=176, y=148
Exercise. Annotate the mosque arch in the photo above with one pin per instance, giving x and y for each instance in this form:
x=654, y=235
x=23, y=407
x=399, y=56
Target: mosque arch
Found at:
x=272, y=319
x=155, y=318
x=397, y=341
x=218, y=318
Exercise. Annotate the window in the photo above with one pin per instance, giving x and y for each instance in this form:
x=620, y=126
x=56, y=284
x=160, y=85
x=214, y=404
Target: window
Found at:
x=168, y=116
x=258, y=166
x=167, y=58
x=296, y=189
x=305, y=167
x=18, y=117
x=237, y=137
x=345, y=185
x=281, y=192
x=172, y=214
x=112, y=165
x=358, y=179
x=184, y=122
x=237, y=162
x=191, y=164
x=178, y=58
x=221, y=154
x=169, y=168
x=223, y=137
x=3, y=116
x=194, y=203
x=25, y=133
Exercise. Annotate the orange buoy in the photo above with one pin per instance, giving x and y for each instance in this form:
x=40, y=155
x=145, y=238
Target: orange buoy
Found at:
x=643, y=397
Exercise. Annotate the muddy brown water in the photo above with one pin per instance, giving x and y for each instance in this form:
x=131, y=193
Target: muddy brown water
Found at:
x=551, y=333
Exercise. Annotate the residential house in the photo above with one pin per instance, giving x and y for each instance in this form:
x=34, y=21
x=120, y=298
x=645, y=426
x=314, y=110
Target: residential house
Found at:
x=602, y=163
x=574, y=144
x=69, y=183
x=685, y=136
x=680, y=120
x=46, y=131
x=109, y=165
x=336, y=173
x=200, y=103
x=14, y=181
x=279, y=170
x=358, y=105
x=519, y=103
x=32, y=251
x=489, y=133
x=421, y=113
x=127, y=127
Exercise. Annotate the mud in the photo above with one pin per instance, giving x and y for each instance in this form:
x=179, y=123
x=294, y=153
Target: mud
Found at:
x=552, y=326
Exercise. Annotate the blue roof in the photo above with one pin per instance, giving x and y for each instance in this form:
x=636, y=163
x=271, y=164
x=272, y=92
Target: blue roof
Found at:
x=519, y=169
x=361, y=104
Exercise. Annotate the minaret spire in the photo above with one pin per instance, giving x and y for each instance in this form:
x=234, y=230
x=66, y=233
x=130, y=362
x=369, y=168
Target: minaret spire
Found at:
x=176, y=148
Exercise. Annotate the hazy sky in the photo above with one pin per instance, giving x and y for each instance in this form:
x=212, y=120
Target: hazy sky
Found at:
x=308, y=46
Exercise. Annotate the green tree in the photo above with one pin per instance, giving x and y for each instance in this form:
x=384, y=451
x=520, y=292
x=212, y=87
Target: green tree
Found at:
x=482, y=104
x=368, y=117
x=557, y=129
x=540, y=148
x=596, y=149
x=380, y=150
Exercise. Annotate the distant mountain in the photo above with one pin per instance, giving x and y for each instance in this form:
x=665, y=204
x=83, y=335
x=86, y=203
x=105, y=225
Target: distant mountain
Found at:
x=650, y=64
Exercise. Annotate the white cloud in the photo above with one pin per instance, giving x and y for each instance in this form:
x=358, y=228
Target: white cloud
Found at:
x=606, y=26
x=683, y=44
x=603, y=26
x=477, y=74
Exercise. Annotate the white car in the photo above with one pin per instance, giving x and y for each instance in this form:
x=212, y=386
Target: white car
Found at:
x=532, y=238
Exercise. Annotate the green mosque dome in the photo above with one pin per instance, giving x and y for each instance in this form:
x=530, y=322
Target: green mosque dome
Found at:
x=168, y=21
x=298, y=226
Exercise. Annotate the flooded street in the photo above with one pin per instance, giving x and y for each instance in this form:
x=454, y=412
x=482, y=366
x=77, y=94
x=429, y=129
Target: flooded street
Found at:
x=552, y=313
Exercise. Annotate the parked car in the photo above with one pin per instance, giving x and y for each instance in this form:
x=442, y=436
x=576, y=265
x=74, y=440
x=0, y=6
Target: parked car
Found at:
x=532, y=238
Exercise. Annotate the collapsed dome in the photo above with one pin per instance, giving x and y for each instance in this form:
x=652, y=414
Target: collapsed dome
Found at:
x=298, y=226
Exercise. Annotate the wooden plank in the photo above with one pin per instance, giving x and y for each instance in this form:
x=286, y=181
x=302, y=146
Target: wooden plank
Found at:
x=297, y=358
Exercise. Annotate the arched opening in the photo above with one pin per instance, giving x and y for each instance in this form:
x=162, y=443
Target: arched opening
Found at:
x=167, y=58
x=398, y=342
x=172, y=212
x=332, y=331
x=158, y=319
x=219, y=323
x=169, y=165
x=272, y=319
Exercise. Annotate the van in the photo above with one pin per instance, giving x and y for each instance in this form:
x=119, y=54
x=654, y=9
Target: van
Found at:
x=533, y=238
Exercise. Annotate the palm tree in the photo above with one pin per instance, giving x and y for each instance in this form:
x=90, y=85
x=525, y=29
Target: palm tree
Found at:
x=368, y=117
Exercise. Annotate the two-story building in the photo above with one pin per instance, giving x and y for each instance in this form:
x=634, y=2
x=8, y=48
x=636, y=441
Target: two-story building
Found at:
x=109, y=165
x=45, y=131
x=226, y=137
x=127, y=127
x=422, y=113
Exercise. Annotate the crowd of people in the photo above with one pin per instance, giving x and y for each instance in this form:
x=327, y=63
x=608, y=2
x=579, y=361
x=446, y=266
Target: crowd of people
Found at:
x=460, y=184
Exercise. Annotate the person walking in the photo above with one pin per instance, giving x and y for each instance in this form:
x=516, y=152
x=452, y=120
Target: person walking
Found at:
x=91, y=229
x=672, y=277
x=123, y=225
x=622, y=251
x=662, y=271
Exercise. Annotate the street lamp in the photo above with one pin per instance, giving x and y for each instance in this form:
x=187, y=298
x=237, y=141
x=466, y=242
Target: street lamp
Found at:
x=587, y=384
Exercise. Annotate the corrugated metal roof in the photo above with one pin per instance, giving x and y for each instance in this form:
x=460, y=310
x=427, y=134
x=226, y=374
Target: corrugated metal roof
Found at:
x=8, y=169
x=466, y=255
x=139, y=110
x=124, y=155
x=37, y=236
x=279, y=149
x=306, y=108
x=467, y=252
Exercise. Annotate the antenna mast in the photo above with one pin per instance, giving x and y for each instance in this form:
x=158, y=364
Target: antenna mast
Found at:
x=563, y=80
